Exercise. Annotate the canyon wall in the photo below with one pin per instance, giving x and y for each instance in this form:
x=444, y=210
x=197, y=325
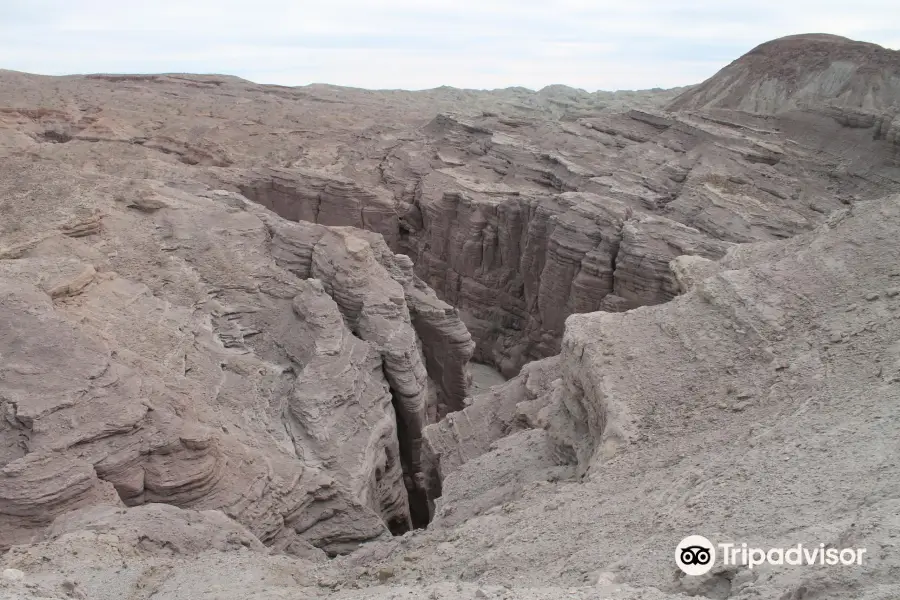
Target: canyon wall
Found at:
x=518, y=237
x=199, y=351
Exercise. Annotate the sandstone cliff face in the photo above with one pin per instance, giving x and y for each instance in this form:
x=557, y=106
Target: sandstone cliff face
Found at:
x=499, y=231
x=760, y=331
x=774, y=376
x=208, y=354
x=518, y=237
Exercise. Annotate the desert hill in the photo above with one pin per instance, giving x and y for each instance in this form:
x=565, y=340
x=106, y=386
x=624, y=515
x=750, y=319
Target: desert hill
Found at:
x=803, y=70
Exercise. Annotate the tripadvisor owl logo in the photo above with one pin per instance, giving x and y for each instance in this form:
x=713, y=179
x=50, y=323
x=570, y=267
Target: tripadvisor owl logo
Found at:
x=696, y=555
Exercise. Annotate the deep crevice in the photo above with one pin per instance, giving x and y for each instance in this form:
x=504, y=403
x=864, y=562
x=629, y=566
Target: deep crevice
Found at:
x=55, y=137
x=419, y=512
x=397, y=526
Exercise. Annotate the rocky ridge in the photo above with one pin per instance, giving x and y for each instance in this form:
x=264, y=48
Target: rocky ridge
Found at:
x=477, y=195
x=518, y=237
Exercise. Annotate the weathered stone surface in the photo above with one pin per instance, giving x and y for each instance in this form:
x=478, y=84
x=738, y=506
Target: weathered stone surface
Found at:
x=476, y=187
x=648, y=245
x=159, y=529
x=90, y=430
x=321, y=198
x=183, y=365
x=39, y=487
x=339, y=415
x=517, y=237
x=505, y=409
x=690, y=414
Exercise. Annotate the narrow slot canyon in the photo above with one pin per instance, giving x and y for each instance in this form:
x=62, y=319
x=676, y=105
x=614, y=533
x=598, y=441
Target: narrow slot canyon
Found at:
x=419, y=513
x=445, y=347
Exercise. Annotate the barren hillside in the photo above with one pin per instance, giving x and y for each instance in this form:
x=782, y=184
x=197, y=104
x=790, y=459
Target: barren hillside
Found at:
x=803, y=70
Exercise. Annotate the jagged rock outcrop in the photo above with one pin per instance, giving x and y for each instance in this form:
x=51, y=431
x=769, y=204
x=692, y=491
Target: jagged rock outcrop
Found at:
x=758, y=358
x=763, y=292
x=185, y=357
x=500, y=412
x=725, y=409
x=883, y=125
x=339, y=416
x=91, y=430
x=496, y=233
x=327, y=200
x=802, y=70
x=61, y=483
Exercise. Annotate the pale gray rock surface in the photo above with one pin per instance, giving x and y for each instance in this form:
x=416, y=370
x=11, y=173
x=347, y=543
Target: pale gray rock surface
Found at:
x=497, y=413
x=734, y=410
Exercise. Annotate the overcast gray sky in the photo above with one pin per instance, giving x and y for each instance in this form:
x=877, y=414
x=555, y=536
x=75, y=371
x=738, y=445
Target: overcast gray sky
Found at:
x=415, y=44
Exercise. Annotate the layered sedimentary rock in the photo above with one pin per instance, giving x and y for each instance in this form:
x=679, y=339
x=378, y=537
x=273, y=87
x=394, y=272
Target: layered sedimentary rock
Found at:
x=518, y=236
x=648, y=244
x=750, y=305
x=517, y=253
x=327, y=200
x=726, y=408
x=502, y=411
x=167, y=339
x=185, y=356
x=476, y=187
x=883, y=125
x=92, y=430
x=339, y=414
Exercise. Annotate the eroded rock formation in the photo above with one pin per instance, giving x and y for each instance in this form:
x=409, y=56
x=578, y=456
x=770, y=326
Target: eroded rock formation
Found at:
x=695, y=413
x=212, y=355
x=255, y=305
x=675, y=417
x=518, y=237
x=476, y=187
